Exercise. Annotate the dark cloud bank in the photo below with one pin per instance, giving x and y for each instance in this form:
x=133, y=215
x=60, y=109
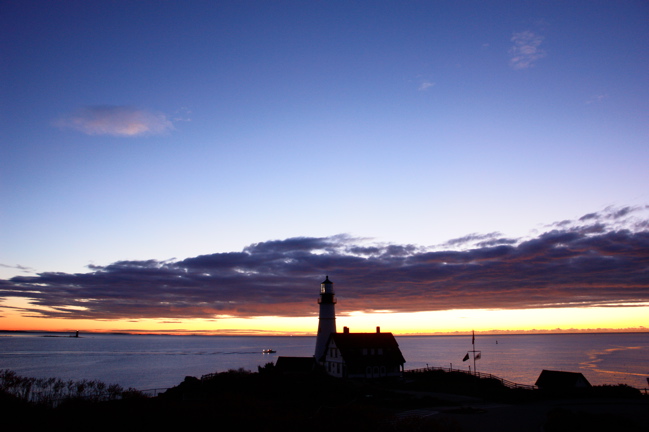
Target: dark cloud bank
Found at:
x=601, y=259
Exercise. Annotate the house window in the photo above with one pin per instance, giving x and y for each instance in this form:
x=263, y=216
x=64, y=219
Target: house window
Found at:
x=364, y=351
x=380, y=351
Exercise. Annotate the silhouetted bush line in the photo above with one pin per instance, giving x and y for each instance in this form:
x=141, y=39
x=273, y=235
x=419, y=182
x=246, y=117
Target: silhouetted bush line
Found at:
x=265, y=400
x=270, y=401
x=52, y=391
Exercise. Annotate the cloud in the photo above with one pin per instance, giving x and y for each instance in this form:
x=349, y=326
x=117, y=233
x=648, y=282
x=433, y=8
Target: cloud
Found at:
x=599, y=98
x=426, y=85
x=116, y=120
x=601, y=259
x=526, y=50
x=17, y=267
x=481, y=240
x=183, y=114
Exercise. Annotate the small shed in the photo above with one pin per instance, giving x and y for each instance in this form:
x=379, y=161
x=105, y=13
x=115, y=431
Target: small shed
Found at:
x=561, y=380
x=295, y=365
x=363, y=355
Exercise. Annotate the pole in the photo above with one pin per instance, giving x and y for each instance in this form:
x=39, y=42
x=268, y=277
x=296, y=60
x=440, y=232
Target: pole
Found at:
x=473, y=343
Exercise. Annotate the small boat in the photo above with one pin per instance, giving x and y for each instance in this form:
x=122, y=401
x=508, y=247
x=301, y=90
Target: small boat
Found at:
x=268, y=351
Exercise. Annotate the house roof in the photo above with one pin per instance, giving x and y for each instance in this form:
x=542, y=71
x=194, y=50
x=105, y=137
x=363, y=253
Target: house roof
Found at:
x=364, y=347
x=561, y=379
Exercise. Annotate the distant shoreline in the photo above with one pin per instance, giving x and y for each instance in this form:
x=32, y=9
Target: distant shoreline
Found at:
x=404, y=335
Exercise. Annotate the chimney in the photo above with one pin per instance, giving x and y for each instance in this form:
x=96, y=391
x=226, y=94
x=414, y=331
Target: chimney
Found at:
x=378, y=329
x=346, y=330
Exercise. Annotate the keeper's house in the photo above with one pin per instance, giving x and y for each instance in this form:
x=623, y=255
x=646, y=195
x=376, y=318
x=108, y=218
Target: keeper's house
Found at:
x=362, y=355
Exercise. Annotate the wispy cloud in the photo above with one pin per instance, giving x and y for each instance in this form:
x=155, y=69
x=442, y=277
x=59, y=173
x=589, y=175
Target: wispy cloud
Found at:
x=17, y=267
x=426, y=85
x=114, y=120
x=600, y=259
x=597, y=99
x=183, y=114
x=526, y=50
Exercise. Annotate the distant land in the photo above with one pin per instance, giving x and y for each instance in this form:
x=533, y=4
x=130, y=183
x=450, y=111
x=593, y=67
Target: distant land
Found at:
x=495, y=332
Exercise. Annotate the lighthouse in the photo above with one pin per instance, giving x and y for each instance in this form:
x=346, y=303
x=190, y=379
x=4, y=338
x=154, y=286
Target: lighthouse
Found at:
x=327, y=319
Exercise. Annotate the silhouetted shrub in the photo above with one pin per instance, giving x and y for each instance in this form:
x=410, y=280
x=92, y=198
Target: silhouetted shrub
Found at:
x=268, y=368
x=51, y=391
x=616, y=391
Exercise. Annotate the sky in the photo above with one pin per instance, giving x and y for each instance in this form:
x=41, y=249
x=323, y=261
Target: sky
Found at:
x=200, y=167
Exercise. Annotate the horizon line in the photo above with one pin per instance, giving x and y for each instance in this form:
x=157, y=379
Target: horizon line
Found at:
x=494, y=332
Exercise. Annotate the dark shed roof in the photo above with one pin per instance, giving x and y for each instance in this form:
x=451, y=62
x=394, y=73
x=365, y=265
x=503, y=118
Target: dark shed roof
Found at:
x=550, y=379
x=295, y=365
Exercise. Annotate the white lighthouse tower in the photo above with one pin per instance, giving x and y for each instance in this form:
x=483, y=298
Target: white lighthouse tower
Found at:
x=327, y=319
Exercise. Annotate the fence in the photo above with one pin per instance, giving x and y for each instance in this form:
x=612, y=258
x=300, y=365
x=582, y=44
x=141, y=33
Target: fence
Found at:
x=504, y=382
x=153, y=392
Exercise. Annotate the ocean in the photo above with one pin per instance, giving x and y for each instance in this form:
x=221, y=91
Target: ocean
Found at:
x=155, y=362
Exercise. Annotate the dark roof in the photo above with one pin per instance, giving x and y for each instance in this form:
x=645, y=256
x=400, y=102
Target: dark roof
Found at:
x=352, y=346
x=327, y=281
x=550, y=379
x=295, y=364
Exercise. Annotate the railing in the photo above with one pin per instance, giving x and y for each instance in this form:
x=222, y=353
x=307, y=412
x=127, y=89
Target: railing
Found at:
x=153, y=392
x=208, y=376
x=504, y=382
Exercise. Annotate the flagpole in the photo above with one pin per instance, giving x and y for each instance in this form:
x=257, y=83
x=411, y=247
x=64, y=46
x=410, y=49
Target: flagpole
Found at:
x=476, y=354
x=473, y=343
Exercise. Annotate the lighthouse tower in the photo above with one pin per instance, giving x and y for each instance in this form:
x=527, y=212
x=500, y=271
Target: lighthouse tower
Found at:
x=327, y=319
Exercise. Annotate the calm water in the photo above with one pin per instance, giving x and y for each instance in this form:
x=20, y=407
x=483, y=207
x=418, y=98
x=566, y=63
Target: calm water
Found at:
x=147, y=362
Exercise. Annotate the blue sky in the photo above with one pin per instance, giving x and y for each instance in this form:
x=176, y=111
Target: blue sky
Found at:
x=169, y=130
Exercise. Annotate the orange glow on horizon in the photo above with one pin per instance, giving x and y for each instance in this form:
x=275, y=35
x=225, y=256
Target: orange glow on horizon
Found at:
x=416, y=323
